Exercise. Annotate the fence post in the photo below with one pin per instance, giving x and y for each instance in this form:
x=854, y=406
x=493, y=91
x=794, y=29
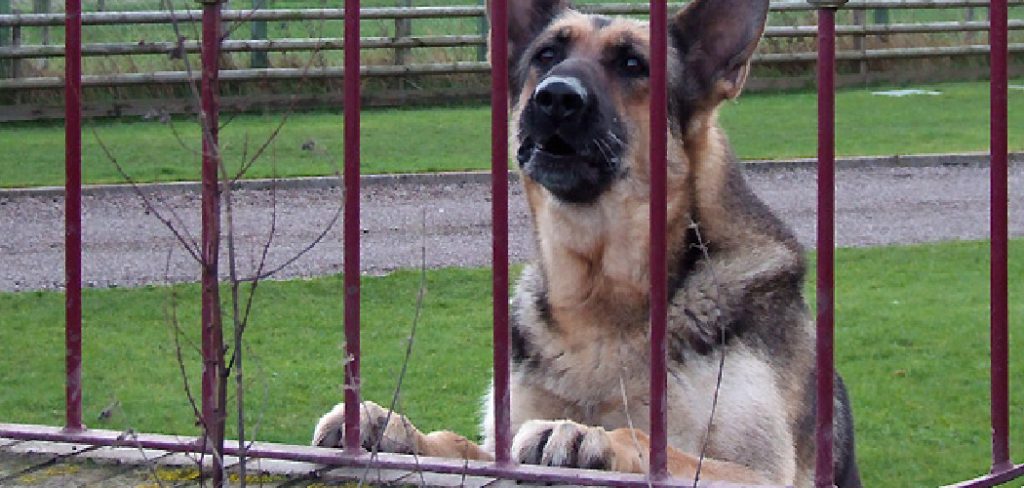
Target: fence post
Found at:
x=658, y=212
x=73, y=214
x=403, y=28
x=499, y=231
x=259, y=59
x=860, y=43
x=43, y=7
x=482, y=27
x=999, y=313
x=5, y=36
x=824, y=476
x=351, y=236
x=213, y=394
x=16, y=42
x=969, y=17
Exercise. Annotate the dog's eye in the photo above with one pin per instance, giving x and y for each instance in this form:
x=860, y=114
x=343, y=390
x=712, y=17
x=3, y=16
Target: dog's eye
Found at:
x=546, y=57
x=634, y=67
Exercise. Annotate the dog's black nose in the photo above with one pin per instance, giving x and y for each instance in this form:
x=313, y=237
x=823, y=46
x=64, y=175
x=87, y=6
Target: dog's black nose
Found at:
x=561, y=98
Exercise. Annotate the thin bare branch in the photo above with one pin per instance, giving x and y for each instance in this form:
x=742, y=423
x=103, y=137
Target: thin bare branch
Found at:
x=703, y=247
x=309, y=247
x=130, y=433
x=629, y=418
x=410, y=342
x=171, y=314
x=284, y=118
x=189, y=244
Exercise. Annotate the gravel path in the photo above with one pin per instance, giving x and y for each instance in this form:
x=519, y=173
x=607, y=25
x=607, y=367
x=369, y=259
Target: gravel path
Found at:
x=125, y=246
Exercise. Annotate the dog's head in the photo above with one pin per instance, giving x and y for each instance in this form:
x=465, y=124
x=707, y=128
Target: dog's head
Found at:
x=580, y=88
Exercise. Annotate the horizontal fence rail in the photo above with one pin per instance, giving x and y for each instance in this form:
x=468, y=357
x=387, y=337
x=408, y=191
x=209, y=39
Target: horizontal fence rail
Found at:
x=337, y=44
x=468, y=67
x=425, y=61
x=164, y=17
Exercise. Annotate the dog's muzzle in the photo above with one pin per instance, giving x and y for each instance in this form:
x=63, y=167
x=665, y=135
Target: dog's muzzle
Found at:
x=566, y=143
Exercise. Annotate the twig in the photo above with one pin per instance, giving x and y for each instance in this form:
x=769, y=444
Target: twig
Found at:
x=236, y=359
x=721, y=360
x=189, y=244
x=301, y=253
x=410, y=342
x=629, y=418
x=145, y=460
x=263, y=254
x=171, y=315
x=284, y=118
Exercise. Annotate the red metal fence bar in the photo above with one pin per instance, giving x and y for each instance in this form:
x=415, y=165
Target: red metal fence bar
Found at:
x=999, y=336
x=499, y=228
x=659, y=238
x=352, y=230
x=73, y=213
x=212, y=331
x=824, y=471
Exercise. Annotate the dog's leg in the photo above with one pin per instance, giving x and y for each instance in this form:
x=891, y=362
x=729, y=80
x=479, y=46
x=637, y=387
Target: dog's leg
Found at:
x=395, y=434
x=565, y=443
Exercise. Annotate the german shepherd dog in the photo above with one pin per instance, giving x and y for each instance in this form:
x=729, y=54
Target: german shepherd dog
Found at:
x=579, y=392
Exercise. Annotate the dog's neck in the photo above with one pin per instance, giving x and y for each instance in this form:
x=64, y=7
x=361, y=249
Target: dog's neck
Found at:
x=595, y=257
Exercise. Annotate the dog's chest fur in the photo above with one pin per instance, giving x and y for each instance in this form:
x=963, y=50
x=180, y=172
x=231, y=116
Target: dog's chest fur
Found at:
x=600, y=376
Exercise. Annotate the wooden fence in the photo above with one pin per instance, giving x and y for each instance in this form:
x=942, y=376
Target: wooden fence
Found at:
x=956, y=34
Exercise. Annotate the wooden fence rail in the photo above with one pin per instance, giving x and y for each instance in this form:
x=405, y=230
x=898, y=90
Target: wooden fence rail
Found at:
x=335, y=44
x=950, y=39
x=411, y=70
x=164, y=17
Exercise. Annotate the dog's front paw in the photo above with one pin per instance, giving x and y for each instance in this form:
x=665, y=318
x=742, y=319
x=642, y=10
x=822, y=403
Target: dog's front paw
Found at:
x=379, y=429
x=563, y=444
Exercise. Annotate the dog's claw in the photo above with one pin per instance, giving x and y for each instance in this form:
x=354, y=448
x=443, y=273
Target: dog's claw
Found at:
x=563, y=444
x=377, y=429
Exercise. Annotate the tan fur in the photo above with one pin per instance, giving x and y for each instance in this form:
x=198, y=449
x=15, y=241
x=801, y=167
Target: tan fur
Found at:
x=591, y=392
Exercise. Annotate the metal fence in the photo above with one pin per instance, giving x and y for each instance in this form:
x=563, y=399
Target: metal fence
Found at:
x=1003, y=469
x=871, y=47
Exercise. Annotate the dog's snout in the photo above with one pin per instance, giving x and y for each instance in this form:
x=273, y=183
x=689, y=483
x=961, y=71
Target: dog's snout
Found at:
x=561, y=98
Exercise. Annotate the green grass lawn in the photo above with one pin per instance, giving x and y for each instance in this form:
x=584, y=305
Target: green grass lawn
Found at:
x=911, y=343
x=762, y=126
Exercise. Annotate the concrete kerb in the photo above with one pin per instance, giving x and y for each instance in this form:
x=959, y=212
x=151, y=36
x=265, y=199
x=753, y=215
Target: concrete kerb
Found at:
x=482, y=177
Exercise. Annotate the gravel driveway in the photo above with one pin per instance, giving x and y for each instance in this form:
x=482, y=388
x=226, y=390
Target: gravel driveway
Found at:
x=126, y=246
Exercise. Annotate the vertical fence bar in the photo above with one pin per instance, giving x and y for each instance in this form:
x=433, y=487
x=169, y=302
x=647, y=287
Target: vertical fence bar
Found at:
x=659, y=239
x=73, y=212
x=499, y=226
x=824, y=471
x=352, y=225
x=213, y=340
x=999, y=336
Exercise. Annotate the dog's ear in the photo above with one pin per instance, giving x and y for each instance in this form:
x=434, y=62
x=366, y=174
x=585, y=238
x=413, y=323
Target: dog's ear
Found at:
x=715, y=40
x=526, y=19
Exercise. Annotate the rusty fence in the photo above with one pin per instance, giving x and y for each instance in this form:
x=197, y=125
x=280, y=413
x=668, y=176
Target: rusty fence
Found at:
x=1003, y=469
